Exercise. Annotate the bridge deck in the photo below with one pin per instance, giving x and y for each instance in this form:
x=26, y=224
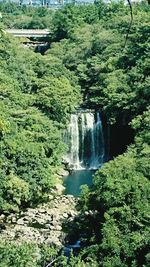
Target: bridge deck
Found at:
x=28, y=32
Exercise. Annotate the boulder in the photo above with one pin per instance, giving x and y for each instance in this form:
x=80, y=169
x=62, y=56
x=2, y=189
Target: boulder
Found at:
x=59, y=188
x=2, y=218
x=62, y=173
x=58, y=228
x=21, y=221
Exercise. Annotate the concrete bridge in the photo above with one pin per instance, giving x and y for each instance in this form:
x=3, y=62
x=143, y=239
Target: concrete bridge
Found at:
x=29, y=32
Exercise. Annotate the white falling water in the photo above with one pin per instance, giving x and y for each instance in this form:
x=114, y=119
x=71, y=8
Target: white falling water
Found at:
x=90, y=127
x=74, y=132
x=83, y=131
x=86, y=145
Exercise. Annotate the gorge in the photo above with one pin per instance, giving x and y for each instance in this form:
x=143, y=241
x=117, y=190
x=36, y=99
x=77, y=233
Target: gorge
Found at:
x=93, y=83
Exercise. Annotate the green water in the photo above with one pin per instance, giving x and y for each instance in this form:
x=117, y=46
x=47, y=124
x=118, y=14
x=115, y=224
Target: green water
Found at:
x=73, y=181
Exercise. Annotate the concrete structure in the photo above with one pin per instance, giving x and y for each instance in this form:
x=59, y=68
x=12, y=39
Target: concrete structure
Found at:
x=29, y=33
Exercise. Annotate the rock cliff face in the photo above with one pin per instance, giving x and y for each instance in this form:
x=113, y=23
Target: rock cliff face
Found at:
x=41, y=225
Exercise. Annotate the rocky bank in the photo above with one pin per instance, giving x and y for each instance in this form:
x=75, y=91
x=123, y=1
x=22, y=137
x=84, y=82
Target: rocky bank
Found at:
x=43, y=224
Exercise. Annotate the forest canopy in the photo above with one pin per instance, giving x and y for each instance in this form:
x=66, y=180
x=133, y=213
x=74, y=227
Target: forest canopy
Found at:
x=32, y=113
x=87, y=63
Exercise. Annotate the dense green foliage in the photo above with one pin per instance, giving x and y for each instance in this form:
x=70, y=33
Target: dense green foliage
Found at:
x=37, y=94
x=31, y=255
x=26, y=17
x=115, y=79
x=18, y=255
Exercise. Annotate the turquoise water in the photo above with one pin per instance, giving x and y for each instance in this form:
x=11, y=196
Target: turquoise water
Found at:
x=73, y=181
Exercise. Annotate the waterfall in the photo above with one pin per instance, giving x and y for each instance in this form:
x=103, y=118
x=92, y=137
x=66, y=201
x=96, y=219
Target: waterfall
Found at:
x=90, y=128
x=85, y=140
x=83, y=130
x=74, y=133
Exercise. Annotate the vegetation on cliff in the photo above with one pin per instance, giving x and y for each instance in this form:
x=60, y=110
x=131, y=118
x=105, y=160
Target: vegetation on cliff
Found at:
x=37, y=94
x=87, y=60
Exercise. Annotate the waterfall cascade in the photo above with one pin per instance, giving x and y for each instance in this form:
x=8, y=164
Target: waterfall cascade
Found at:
x=85, y=140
